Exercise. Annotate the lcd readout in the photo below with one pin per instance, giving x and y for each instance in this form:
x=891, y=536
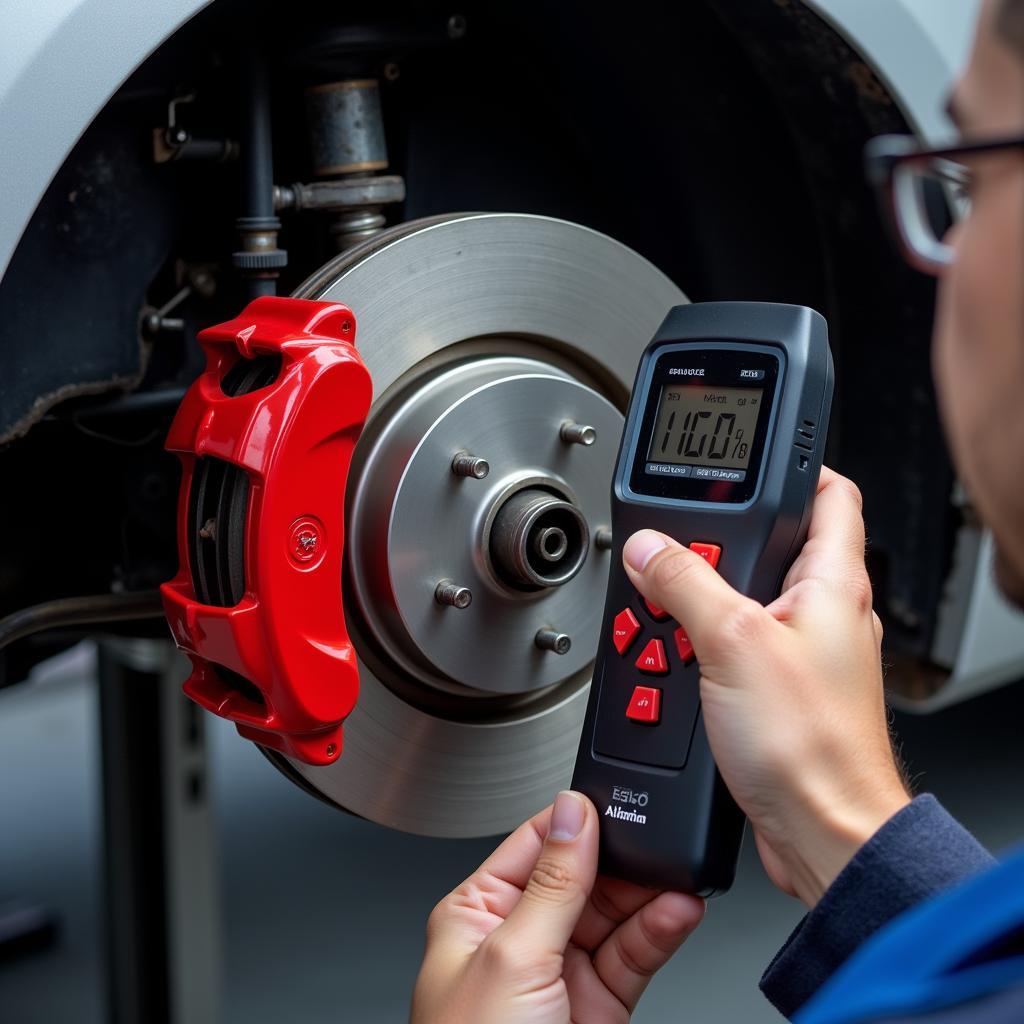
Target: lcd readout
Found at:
x=705, y=426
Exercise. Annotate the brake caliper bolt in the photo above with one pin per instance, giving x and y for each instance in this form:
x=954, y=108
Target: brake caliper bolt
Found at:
x=452, y=595
x=465, y=464
x=603, y=539
x=577, y=433
x=552, y=640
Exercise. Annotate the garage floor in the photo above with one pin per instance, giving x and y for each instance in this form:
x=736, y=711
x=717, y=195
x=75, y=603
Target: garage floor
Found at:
x=324, y=913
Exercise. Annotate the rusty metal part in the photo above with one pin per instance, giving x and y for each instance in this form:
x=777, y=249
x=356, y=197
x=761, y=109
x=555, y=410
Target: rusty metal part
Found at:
x=341, y=193
x=346, y=127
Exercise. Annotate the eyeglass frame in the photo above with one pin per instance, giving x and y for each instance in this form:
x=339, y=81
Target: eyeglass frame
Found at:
x=884, y=157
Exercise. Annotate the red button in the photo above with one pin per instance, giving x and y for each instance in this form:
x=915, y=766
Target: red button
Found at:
x=683, y=645
x=624, y=630
x=709, y=552
x=659, y=614
x=652, y=659
x=645, y=705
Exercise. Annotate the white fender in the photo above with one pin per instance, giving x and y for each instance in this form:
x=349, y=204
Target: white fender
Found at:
x=60, y=61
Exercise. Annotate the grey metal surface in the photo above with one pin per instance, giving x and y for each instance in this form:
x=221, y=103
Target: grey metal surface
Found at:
x=409, y=513
x=538, y=539
x=446, y=295
x=341, y=193
x=346, y=127
x=414, y=517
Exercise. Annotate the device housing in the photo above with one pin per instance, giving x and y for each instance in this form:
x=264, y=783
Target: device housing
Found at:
x=672, y=823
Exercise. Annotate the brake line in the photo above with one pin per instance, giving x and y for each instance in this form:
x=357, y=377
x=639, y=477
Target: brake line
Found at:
x=80, y=611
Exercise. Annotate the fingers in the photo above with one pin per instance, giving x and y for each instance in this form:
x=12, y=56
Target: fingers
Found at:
x=834, y=551
x=685, y=585
x=559, y=883
x=491, y=891
x=644, y=943
x=513, y=860
x=611, y=902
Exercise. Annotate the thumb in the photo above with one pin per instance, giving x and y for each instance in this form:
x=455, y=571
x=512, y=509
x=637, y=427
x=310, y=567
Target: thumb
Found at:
x=543, y=920
x=682, y=583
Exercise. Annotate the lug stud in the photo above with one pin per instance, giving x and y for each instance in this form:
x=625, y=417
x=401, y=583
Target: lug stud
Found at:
x=465, y=464
x=577, y=433
x=552, y=640
x=603, y=539
x=452, y=595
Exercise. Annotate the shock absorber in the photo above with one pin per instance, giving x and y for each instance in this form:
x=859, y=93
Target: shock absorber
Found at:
x=346, y=133
x=346, y=130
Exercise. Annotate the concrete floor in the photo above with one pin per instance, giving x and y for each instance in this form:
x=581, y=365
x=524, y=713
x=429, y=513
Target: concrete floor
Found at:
x=324, y=914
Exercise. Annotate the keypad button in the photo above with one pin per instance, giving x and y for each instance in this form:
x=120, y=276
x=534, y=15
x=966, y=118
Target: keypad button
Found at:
x=645, y=705
x=652, y=658
x=658, y=614
x=683, y=645
x=625, y=629
x=709, y=552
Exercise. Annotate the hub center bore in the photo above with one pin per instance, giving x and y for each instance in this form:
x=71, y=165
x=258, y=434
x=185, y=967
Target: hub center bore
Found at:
x=538, y=540
x=551, y=543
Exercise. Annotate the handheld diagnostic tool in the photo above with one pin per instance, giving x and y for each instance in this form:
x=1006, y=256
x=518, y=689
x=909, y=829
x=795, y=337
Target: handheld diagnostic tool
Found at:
x=721, y=450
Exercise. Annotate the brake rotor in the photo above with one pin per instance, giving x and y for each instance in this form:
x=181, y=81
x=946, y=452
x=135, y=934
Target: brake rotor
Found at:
x=486, y=335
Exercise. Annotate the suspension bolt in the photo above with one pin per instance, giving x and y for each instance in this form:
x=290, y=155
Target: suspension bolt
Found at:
x=552, y=640
x=603, y=539
x=465, y=464
x=452, y=595
x=577, y=433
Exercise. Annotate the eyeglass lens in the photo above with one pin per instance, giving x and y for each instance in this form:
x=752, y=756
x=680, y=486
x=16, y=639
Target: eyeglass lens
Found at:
x=928, y=198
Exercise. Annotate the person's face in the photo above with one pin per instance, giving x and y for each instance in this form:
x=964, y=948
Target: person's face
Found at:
x=978, y=353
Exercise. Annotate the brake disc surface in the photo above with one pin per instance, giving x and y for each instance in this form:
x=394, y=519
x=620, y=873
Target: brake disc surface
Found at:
x=483, y=333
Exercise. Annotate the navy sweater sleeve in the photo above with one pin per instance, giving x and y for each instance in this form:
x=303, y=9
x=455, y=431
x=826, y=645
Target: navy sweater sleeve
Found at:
x=919, y=851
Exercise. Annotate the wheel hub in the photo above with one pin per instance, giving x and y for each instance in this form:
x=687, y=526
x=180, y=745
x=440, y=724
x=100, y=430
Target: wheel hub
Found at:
x=538, y=539
x=504, y=539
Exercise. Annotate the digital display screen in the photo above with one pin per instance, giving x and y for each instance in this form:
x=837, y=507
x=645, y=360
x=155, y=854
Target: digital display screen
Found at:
x=705, y=426
x=706, y=421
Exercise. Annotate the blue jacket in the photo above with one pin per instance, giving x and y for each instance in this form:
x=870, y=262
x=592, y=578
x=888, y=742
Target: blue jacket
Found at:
x=921, y=926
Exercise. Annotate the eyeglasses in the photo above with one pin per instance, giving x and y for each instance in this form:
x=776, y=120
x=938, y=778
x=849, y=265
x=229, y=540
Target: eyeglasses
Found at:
x=924, y=192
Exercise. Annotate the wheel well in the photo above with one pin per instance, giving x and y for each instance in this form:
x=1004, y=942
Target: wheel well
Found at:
x=722, y=142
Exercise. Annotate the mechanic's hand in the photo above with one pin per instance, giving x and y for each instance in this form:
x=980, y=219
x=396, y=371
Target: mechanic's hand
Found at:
x=531, y=938
x=792, y=693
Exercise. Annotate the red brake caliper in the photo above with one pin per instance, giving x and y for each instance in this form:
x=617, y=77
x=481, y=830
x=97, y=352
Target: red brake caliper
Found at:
x=265, y=436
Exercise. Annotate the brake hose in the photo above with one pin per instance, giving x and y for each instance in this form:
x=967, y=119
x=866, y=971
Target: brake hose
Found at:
x=80, y=611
